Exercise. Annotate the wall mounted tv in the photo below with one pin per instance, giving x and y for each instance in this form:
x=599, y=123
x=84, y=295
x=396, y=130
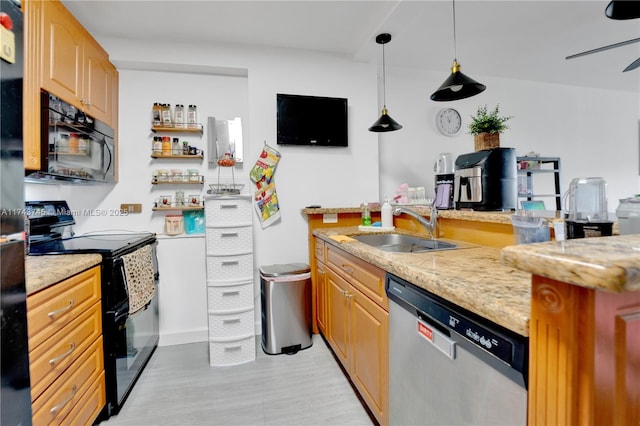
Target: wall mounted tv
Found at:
x=311, y=120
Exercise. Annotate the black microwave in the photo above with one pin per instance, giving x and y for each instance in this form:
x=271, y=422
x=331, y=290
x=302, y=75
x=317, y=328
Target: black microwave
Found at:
x=74, y=147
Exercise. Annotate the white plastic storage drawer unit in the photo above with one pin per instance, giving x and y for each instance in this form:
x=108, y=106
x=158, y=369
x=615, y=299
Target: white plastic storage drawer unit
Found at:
x=230, y=282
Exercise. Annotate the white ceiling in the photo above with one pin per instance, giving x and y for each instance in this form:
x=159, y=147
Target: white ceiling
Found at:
x=516, y=39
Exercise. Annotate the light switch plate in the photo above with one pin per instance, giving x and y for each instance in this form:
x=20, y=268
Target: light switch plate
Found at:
x=131, y=208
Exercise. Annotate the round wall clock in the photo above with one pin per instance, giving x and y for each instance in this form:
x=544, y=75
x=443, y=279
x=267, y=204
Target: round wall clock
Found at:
x=449, y=122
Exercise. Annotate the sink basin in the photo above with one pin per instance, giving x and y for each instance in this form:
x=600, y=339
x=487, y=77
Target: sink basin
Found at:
x=400, y=243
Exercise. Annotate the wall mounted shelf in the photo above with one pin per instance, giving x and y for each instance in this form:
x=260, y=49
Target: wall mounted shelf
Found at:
x=197, y=130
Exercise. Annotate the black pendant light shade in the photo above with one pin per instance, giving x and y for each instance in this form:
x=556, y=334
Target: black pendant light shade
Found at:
x=385, y=123
x=623, y=9
x=457, y=86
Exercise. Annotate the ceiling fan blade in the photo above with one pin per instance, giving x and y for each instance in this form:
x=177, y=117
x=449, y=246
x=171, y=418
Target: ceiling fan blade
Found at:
x=632, y=66
x=623, y=9
x=603, y=48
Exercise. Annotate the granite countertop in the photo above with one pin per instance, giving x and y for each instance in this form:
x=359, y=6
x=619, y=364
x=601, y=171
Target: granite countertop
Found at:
x=605, y=263
x=472, y=277
x=43, y=271
x=469, y=215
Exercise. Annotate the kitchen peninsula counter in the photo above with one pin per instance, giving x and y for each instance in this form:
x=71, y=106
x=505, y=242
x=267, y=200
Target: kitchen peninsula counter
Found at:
x=43, y=271
x=472, y=277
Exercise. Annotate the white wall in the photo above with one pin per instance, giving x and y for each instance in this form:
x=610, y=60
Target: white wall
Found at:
x=594, y=132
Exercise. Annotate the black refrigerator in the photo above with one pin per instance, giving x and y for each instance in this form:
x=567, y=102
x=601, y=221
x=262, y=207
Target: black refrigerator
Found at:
x=15, y=394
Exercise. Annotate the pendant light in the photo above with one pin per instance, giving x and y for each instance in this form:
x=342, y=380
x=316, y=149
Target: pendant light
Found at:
x=385, y=123
x=458, y=85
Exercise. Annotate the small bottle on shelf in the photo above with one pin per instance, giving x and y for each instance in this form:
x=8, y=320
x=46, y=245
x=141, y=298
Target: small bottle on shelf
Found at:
x=192, y=117
x=166, y=145
x=157, y=145
x=176, y=149
x=156, y=114
x=178, y=116
x=166, y=115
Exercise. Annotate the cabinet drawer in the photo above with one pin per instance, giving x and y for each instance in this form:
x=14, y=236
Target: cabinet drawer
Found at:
x=226, y=241
x=232, y=352
x=230, y=268
x=222, y=212
x=367, y=278
x=59, y=399
x=230, y=298
x=49, y=310
x=90, y=405
x=234, y=325
x=53, y=357
x=319, y=249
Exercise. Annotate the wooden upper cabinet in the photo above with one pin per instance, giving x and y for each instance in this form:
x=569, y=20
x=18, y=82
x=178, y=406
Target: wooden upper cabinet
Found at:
x=75, y=67
x=33, y=25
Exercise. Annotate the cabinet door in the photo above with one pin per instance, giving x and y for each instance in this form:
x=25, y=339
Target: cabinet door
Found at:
x=321, y=297
x=97, y=74
x=369, y=356
x=62, y=50
x=33, y=27
x=337, y=320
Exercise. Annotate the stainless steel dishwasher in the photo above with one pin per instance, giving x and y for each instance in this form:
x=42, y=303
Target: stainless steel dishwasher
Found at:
x=448, y=366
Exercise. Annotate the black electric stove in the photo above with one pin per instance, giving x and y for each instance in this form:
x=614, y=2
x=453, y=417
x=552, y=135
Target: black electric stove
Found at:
x=129, y=338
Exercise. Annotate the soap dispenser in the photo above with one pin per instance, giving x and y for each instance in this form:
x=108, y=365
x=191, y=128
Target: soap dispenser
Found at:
x=366, y=214
x=387, y=214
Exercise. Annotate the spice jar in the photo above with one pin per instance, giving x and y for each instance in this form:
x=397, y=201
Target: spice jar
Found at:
x=176, y=175
x=156, y=114
x=166, y=145
x=178, y=116
x=63, y=144
x=74, y=143
x=162, y=175
x=166, y=115
x=175, y=147
x=157, y=145
x=194, y=175
x=192, y=117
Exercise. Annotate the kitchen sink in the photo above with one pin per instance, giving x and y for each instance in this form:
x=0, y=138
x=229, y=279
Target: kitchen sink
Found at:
x=401, y=243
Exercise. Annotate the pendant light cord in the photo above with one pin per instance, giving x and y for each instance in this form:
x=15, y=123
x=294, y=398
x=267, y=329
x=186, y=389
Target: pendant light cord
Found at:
x=384, y=80
x=455, y=50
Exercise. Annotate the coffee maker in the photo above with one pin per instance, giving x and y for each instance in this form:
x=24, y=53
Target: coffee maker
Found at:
x=486, y=180
x=443, y=169
x=587, y=214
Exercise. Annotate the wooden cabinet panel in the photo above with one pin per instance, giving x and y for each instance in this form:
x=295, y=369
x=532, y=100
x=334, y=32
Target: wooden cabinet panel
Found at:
x=49, y=310
x=337, y=315
x=51, y=358
x=33, y=27
x=358, y=325
x=369, y=337
x=97, y=76
x=62, y=53
x=60, y=398
x=321, y=296
x=368, y=278
x=90, y=405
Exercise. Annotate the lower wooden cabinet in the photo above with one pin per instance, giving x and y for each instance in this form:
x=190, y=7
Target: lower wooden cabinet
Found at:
x=66, y=354
x=357, y=325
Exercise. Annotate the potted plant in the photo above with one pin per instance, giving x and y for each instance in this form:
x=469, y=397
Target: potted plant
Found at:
x=486, y=127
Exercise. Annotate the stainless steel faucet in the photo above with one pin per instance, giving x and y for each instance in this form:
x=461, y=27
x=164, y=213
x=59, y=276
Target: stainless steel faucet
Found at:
x=431, y=224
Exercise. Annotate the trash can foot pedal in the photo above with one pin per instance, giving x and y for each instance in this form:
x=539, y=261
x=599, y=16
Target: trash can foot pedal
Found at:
x=291, y=350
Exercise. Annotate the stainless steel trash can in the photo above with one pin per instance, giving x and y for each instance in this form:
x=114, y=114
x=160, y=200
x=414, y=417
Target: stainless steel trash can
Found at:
x=285, y=298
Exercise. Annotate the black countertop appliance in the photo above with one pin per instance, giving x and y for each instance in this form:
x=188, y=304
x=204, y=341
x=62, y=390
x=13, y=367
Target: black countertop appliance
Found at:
x=486, y=180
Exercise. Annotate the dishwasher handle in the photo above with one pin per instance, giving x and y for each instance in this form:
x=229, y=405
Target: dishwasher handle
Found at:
x=439, y=340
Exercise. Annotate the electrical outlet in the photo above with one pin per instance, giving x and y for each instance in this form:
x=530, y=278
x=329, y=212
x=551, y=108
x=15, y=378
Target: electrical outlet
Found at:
x=131, y=208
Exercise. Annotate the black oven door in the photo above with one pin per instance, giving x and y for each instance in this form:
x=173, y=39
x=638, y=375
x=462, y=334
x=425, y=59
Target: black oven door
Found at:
x=129, y=339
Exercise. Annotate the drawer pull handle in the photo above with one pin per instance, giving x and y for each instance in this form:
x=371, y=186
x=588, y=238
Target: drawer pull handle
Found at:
x=347, y=269
x=52, y=361
x=228, y=206
x=74, y=390
x=231, y=293
x=232, y=348
x=61, y=310
x=229, y=234
x=231, y=321
x=230, y=262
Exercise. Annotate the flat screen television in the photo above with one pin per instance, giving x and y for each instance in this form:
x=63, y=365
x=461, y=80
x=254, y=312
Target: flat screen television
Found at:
x=311, y=120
